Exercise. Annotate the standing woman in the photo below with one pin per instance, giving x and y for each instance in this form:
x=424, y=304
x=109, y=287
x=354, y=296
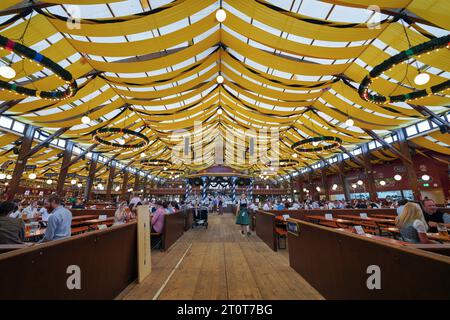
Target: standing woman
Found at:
x=220, y=205
x=242, y=215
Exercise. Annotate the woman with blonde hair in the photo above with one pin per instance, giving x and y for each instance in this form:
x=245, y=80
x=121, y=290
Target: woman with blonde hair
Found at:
x=122, y=214
x=412, y=225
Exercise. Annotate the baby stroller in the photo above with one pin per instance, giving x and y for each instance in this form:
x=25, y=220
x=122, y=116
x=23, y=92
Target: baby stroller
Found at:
x=200, y=217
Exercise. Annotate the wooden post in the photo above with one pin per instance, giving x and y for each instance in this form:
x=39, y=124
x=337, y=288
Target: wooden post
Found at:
x=124, y=184
x=325, y=184
x=21, y=161
x=91, y=177
x=136, y=182
x=110, y=182
x=369, y=176
x=64, y=168
x=144, y=194
x=409, y=165
x=343, y=179
x=291, y=185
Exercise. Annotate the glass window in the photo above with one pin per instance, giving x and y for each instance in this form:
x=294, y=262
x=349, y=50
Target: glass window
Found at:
x=411, y=131
x=423, y=126
x=18, y=126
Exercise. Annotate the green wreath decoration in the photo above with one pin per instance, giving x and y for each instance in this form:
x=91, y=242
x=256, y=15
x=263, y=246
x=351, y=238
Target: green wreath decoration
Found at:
x=30, y=54
x=388, y=64
x=102, y=132
x=334, y=143
x=155, y=163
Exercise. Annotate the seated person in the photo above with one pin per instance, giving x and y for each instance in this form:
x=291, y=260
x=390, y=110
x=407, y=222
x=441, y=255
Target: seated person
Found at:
x=401, y=204
x=31, y=210
x=19, y=210
x=412, y=224
x=78, y=204
x=158, y=218
x=42, y=211
x=59, y=222
x=122, y=214
x=12, y=230
x=432, y=215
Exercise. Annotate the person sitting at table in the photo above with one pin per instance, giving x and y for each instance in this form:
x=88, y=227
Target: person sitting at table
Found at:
x=78, y=204
x=12, y=230
x=59, y=222
x=412, y=225
x=135, y=199
x=31, y=210
x=158, y=218
x=401, y=204
x=18, y=209
x=42, y=212
x=433, y=216
x=120, y=216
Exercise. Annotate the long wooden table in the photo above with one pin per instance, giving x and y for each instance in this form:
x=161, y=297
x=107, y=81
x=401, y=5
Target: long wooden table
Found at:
x=376, y=220
x=41, y=232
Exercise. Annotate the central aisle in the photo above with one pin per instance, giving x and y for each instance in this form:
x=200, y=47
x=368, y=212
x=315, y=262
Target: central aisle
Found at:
x=220, y=263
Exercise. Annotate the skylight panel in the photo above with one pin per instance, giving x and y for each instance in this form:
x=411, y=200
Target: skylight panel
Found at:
x=174, y=26
x=125, y=8
x=206, y=34
x=316, y=9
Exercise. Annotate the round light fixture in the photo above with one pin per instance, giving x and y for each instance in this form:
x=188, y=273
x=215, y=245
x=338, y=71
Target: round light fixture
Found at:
x=73, y=181
x=315, y=143
x=221, y=15
x=220, y=79
x=425, y=177
x=85, y=120
x=349, y=122
x=32, y=176
x=9, y=177
x=121, y=141
x=294, y=155
x=117, y=188
x=318, y=188
x=422, y=78
x=6, y=183
x=397, y=177
x=165, y=168
x=360, y=182
x=2, y=176
x=334, y=187
x=219, y=112
x=49, y=181
x=99, y=186
x=142, y=155
x=354, y=186
x=382, y=183
x=7, y=72
x=79, y=185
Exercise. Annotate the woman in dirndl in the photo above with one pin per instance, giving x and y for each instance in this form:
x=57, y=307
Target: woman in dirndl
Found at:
x=243, y=218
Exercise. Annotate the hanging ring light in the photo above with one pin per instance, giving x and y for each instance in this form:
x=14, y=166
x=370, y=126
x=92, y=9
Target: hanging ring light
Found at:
x=333, y=143
x=403, y=56
x=30, y=54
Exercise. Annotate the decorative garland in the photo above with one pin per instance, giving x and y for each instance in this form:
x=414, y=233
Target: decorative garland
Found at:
x=43, y=61
x=155, y=162
x=388, y=64
x=334, y=143
x=285, y=163
x=102, y=132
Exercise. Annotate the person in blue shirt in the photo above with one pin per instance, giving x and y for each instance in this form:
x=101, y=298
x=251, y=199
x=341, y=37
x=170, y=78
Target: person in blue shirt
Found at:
x=59, y=222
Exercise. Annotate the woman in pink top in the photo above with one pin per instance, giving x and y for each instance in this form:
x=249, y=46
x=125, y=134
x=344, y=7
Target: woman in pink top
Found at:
x=158, y=218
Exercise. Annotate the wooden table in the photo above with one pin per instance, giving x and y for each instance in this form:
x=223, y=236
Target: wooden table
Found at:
x=41, y=232
x=84, y=217
x=383, y=216
x=335, y=220
x=379, y=238
x=376, y=220
x=438, y=237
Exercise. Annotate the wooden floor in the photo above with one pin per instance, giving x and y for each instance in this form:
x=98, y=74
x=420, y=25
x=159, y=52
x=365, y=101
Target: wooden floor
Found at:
x=220, y=263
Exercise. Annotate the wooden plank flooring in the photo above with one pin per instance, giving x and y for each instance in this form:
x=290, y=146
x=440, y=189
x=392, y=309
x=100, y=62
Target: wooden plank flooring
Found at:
x=220, y=263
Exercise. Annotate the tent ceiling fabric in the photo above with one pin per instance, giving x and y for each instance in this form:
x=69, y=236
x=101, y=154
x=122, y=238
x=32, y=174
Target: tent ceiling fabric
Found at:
x=289, y=65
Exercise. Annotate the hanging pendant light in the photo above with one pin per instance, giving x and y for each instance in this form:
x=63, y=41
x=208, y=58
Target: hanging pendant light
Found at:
x=220, y=79
x=73, y=182
x=349, y=122
x=221, y=15
x=49, y=181
x=382, y=183
x=219, y=112
x=85, y=120
x=32, y=176
x=397, y=177
x=2, y=176
x=422, y=78
x=7, y=72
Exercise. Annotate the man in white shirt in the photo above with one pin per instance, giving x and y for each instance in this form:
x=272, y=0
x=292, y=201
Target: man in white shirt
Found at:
x=266, y=206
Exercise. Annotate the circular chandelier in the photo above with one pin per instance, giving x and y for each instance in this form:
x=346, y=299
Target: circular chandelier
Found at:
x=284, y=163
x=314, y=144
x=155, y=163
x=403, y=56
x=101, y=133
x=39, y=59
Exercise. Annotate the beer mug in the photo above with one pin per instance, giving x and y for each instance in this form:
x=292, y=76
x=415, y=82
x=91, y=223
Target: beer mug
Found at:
x=442, y=230
x=27, y=228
